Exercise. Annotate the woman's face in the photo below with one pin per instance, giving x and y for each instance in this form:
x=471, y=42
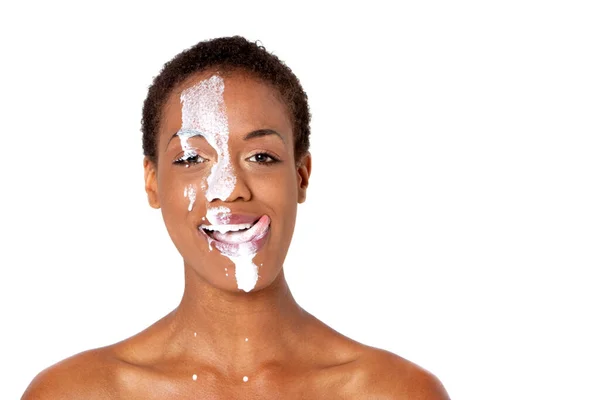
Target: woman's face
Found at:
x=226, y=179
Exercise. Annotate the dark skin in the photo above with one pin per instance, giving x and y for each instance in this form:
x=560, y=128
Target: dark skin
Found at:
x=289, y=353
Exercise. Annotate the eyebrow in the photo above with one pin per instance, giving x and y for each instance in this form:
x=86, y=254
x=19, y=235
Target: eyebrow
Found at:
x=261, y=133
x=179, y=132
x=250, y=135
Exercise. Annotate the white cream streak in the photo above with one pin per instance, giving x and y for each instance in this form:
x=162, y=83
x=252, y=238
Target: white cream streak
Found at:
x=185, y=146
x=218, y=215
x=246, y=272
x=190, y=192
x=203, y=113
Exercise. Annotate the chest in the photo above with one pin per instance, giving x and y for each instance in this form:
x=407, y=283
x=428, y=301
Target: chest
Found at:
x=206, y=385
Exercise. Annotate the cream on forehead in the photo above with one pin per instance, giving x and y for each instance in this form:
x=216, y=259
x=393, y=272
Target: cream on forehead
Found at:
x=203, y=113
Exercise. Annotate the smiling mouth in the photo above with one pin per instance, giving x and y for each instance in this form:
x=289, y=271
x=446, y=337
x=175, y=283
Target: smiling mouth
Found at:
x=238, y=233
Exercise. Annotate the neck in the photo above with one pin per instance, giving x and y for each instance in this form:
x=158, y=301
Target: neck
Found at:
x=237, y=330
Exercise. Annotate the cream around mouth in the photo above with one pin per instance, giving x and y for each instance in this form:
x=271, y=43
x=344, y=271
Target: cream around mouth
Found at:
x=246, y=235
x=240, y=242
x=227, y=227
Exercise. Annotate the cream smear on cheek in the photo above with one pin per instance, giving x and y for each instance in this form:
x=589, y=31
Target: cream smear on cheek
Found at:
x=190, y=192
x=203, y=113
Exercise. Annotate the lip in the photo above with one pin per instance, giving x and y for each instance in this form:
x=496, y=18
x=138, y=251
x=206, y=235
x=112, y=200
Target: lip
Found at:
x=230, y=219
x=243, y=219
x=250, y=247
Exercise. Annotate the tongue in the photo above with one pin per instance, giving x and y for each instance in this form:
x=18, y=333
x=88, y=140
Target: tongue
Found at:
x=254, y=232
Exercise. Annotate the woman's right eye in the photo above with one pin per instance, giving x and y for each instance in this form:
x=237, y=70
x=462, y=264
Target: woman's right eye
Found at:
x=189, y=159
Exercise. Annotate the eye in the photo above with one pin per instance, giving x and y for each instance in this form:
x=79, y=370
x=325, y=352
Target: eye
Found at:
x=263, y=158
x=189, y=158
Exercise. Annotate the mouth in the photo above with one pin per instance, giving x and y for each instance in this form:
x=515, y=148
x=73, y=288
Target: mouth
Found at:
x=248, y=230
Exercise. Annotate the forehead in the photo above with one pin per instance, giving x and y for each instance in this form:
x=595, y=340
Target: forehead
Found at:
x=250, y=104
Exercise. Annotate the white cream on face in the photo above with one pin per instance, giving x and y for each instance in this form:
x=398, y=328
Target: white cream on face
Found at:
x=185, y=146
x=190, y=192
x=242, y=255
x=203, y=113
x=246, y=272
x=218, y=215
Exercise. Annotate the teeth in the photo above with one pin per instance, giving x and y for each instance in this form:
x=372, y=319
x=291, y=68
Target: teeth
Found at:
x=226, y=228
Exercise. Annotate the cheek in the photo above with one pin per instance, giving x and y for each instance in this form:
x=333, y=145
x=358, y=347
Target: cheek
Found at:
x=275, y=186
x=180, y=201
x=177, y=198
x=181, y=191
x=279, y=192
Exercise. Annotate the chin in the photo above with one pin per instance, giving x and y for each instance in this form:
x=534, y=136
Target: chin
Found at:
x=223, y=277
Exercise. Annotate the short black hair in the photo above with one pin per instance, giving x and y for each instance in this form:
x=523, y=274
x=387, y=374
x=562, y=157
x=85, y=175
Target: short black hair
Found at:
x=226, y=54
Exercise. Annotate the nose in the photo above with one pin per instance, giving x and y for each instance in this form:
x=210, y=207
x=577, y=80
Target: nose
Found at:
x=228, y=184
x=241, y=190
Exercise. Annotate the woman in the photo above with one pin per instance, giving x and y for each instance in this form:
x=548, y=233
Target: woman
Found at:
x=226, y=136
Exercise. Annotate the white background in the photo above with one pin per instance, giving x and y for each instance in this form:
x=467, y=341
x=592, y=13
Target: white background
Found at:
x=453, y=212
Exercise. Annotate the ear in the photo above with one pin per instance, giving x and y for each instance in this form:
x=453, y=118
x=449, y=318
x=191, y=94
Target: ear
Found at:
x=303, y=169
x=151, y=183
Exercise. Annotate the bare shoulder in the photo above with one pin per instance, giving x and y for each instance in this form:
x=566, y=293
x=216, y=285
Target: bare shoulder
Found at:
x=358, y=371
x=387, y=376
x=88, y=375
